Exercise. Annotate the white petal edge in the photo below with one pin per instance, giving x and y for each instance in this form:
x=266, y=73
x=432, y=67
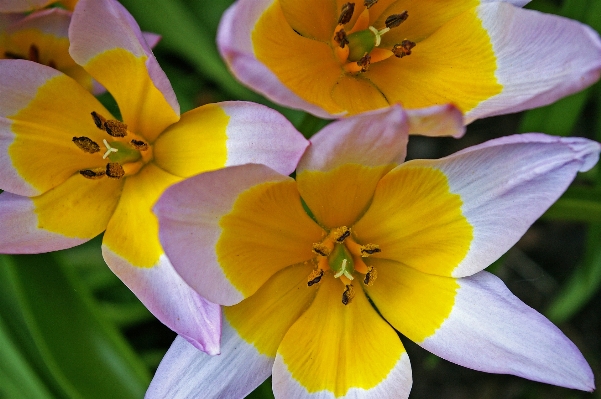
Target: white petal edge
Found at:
x=19, y=232
x=531, y=67
x=506, y=184
x=491, y=330
x=396, y=385
x=189, y=213
x=171, y=300
x=185, y=372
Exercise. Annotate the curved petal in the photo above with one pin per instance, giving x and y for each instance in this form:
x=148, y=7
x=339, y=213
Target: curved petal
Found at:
x=108, y=43
x=455, y=216
x=244, y=222
x=68, y=215
x=41, y=110
x=21, y=5
x=226, y=134
x=338, y=351
x=186, y=372
x=356, y=95
x=531, y=67
x=235, y=41
x=304, y=19
x=491, y=330
x=439, y=120
x=171, y=300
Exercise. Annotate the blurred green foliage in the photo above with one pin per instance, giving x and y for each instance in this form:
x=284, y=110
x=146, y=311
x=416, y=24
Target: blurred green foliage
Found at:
x=70, y=329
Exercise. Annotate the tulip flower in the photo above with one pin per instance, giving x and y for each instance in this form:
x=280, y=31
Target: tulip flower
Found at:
x=30, y=5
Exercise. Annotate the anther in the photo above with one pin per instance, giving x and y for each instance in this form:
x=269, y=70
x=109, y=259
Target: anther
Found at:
x=369, y=249
x=364, y=63
x=315, y=277
x=93, y=173
x=348, y=294
x=109, y=149
x=139, y=145
x=340, y=38
x=321, y=249
x=115, y=128
x=34, y=53
x=86, y=144
x=369, y=3
x=99, y=120
x=340, y=234
x=370, y=276
x=403, y=49
x=114, y=170
x=346, y=14
x=395, y=20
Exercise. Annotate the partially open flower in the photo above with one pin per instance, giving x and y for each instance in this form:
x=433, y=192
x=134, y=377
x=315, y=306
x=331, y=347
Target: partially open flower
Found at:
x=334, y=58
x=30, y=5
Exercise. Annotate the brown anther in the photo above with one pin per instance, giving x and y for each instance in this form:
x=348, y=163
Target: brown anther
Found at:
x=93, y=173
x=369, y=3
x=115, y=128
x=315, y=277
x=364, y=62
x=369, y=249
x=346, y=14
x=139, y=145
x=114, y=170
x=86, y=144
x=348, y=294
x=340, y=38
x=34, y=53
x=340, y=234
x=99, y=120
x=395, y=20
x=370, y=276
x=403, y=49
x=321, y=249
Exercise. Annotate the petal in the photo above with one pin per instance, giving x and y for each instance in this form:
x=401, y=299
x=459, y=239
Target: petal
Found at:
x=41, y=110
x=456, y=64
x=108, y=43
x=338, y=351
x=244, y=222
x=337, y=175
x=303, y=18
x=171, y=300
x=20, y=5
x=250, y=28
x=491, y=330
x=229, y=133
x=186, y=372
x=66, y=216
x=356, y=95
x=439, y=120
x=454, y=217
x=532, y=68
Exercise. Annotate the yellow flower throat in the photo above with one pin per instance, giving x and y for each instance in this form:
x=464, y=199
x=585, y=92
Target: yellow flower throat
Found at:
x=359, y=47
x=342, y=256
x=125, y=156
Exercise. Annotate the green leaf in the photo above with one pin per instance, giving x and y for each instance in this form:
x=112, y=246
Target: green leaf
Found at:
x=54, y=321
x=577, y=204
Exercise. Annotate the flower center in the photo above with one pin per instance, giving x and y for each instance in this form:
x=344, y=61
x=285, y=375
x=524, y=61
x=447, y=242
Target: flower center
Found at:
x=125, y=156
x=32, y=55
x=358, y=48
x=342, y=257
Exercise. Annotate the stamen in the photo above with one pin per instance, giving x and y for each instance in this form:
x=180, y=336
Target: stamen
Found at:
x=99, y=120
x=34, y=53
x=321, y=249
x=139, y=145
x=93, y=173
x=403, y=49
x=369, y=3
x=115, y=128
x=315, y=277
x=346, y=14
x=395, y=20
x=340, y=234
x=340, y=38
x=369, y=249
x=86, y=144
x=364, y=62
x=109, y=149
x=114, y=170
x=371, y=276
x=348, y=294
